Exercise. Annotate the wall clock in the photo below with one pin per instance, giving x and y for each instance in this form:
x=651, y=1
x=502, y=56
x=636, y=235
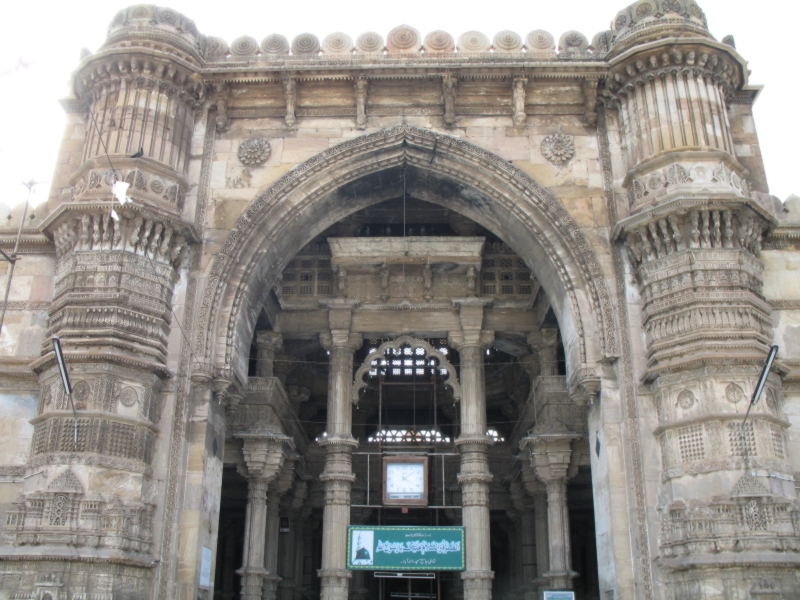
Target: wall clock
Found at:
x=405, y=480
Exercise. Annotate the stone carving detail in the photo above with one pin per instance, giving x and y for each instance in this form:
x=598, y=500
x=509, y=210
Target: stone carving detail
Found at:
x=735, y=394
x=162, y=192
x=244, y=46
x=337, y=43
x=573, y=41
x=361, y=86
x=369, y=42
x=508, y=41
x=558, y=148
x=128, y=396
x=686, y=399
x=275, y=44
x=66, y=482
x=216, y=49
x=254, y=152
x=518, y=96
x=473, y=41
x=403, y=39
x=539, y=39
x=439, y=41
x=405, y=345
x=305, y=43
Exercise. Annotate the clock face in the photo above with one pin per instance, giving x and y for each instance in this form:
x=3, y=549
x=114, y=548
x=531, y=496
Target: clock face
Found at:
x=405, y=481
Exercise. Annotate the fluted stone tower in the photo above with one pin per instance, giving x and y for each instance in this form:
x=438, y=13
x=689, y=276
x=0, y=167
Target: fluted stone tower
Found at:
x=693, y=233
x=94, y=500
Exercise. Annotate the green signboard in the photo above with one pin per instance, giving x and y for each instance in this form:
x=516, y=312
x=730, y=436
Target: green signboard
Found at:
x=405, y=548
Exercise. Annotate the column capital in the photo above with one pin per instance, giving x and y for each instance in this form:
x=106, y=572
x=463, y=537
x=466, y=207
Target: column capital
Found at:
x=269, y=339
x=221, y=387
x=340, y=338
x=466, y=338
x=550, y=455
x=265, y=454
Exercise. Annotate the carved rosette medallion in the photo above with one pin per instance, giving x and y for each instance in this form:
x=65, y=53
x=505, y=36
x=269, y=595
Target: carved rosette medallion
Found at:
x=558, y=148
x=254, y=152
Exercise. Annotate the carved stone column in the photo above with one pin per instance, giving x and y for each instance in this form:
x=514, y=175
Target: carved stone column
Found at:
x=550, y=458
x=528, y=546
x=474, y=477
x=274, y=548
x=264, y=454
x=267, y=343
x=538, y=492
x=338, y=443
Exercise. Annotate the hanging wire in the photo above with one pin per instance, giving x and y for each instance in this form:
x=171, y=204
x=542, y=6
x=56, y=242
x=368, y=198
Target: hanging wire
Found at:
x=12, y=259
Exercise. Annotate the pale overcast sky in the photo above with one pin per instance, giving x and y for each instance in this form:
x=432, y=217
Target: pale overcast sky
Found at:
x=51, y=34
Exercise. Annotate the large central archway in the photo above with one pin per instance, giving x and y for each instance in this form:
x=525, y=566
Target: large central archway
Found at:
x=434, y=167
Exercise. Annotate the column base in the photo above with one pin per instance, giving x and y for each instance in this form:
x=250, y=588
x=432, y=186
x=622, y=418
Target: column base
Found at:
x=560, y=580
x=270, y=589
x=335, y=583
x=252, y=582
x=477, y=585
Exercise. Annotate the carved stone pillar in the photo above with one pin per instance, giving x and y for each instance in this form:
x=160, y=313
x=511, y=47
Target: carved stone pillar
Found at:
x=264, y=454
x=474, y=477
x=550, y=458
x=538, y=492
x=339, y=443
x=267, y=343
x=361, y=86
x=528, y=541
x=545, y=342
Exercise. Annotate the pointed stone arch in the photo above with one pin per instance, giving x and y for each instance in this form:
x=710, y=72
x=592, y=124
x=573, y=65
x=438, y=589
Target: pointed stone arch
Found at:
x=482, y=186
x=396, y=344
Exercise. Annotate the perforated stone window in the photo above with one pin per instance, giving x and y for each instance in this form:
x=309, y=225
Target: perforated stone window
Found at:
x=691, y=443
x=777, y=441
x=736, y=437
x=308, y=276
x=505, y=275
x=59, y=510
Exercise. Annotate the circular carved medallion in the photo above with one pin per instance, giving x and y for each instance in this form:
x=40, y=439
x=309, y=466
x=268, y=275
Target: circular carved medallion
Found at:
x=337, y=43
x=558, y=148
x=540, y=39
x=254, y=152
x=686, y=399
x=473, y=41
x=128, y=396
x=305, y=43
x=439, y=41
x=403, y=38
x=275, y=44
x=508, y=41
x=244, y=46
x=369, y=42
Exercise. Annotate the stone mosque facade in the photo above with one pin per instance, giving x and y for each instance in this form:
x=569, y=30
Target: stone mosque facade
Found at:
x=549, y=267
